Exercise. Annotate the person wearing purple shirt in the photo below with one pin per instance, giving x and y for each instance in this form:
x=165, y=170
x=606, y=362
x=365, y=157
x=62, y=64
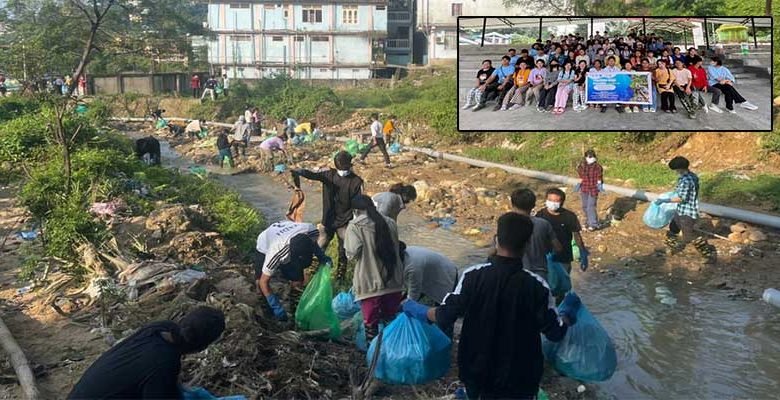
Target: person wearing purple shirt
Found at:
x=536, y=81
x=269, y=146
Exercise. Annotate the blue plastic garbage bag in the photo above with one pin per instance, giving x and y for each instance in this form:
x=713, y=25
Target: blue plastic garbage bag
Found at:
x=394, y=148
x=586, y=353
x=557, y=277
x=412, y=352
x=360, y=332
x=280, y=168
x=344, y=305
x=658, y=216
x=199, y=393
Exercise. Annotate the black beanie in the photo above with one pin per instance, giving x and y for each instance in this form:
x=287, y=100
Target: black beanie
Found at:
x=201, y=327
x=679, y=163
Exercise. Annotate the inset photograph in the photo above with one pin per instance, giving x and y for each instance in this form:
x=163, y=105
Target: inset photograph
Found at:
x=615, y=74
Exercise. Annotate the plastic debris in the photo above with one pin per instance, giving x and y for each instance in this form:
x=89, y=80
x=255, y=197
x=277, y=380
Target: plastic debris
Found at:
x=344, y=305
x=27, y=235
x=445, y=223
x=315, y=310
x=23, y=290
x=187, y=276
x=280, y=168
x=198, y=170
x=394, y=148
x=658, y=216
x=199, y=393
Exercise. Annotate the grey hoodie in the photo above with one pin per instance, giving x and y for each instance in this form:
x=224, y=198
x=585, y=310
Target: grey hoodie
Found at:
x=360, y=246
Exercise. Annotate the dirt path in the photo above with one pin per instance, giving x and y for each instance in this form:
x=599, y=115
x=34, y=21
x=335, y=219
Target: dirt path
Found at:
x=50, y=342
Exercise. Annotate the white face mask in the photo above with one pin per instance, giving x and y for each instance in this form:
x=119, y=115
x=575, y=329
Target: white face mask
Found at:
x=342, y=173
x=590, y=160
x=552, y=205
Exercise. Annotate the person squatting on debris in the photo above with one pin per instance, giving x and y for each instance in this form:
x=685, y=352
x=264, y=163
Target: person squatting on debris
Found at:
x=591, y=184
x=504, y=308
x=391, y=203
x=427, y=274
x=377, y=140
x=194, y=128
x=542, y=240
x=286, y=248
x=269, y=146
x=371, y=239
x=288, y=126
x=241, y=132
x=223, y=146
x=339, y=187
x=687, y=200
x=148, y=146
x=147, y=364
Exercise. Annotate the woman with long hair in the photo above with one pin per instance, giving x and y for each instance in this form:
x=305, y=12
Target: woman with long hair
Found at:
x=372, y=241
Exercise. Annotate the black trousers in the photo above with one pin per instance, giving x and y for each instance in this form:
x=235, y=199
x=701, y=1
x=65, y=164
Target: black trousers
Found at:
x=667, y=101
x=491, y=91
x=732, y=95
x=502, y=94
x=196, y=93
x=378, y=142
x=547, y=96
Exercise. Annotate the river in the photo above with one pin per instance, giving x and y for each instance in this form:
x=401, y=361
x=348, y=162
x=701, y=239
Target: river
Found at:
x=696, y=344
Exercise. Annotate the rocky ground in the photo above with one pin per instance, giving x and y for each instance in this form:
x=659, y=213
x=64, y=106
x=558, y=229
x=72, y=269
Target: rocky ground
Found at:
x=474, y=197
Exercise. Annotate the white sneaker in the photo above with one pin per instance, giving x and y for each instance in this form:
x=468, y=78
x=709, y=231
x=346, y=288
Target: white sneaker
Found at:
x=732, y=111
x=514, y=107
x=476, y=106
x=748, y=106
x=628, y=109
x=636, y=109
x=503, y=108
x=645, y=110
x=706, y=109
x=715, y=108
x=467, y=105
x=652, y=110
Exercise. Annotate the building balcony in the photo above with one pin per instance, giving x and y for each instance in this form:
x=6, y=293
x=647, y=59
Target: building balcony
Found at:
x=397, y=44
x=399, y=16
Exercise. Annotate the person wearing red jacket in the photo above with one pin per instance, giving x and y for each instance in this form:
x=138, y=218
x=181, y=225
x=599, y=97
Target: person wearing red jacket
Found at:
x=195, y=86
x=700, y=85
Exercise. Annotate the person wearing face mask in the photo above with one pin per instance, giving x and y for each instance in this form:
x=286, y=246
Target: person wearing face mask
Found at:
x=566, y=227
x=475, y=94
x=391, y=203
x=591, y=184
x=687, y=212
x=339, y=186
x=146, y=365
x=505, y=310
x=285, y=249
x=372, y=242
x=543, y=239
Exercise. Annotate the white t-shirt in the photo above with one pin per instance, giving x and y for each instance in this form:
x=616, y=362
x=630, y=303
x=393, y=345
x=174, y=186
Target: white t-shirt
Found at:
x=376, y=130
x=274, y=242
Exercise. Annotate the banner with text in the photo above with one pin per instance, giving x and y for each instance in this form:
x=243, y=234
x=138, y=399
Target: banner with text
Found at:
x=619, y=87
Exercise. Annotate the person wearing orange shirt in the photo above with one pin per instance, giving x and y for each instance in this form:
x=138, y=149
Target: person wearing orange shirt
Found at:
x=390, y=128
x=665, y=81
x=517, y=94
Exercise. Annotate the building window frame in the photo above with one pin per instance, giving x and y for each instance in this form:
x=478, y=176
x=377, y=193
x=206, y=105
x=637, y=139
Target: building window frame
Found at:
x=320, y=39
x=311, y=14
x=277, y=38
x=349, y=15
x=457, y=9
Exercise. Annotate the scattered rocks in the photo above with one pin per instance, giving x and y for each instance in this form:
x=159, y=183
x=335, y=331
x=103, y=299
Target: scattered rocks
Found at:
x=745, y=234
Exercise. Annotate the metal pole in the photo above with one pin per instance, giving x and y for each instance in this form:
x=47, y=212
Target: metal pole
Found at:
x=484, y=25
x=755, y=40
x=644, y=27
x=540, y=29
x=685, y=38
x=591, y=27
x=706, y=37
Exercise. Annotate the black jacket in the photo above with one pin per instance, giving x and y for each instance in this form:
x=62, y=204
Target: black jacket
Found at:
x=223, y=142
x=504, y=309
x=337, y=194
x=143, y=366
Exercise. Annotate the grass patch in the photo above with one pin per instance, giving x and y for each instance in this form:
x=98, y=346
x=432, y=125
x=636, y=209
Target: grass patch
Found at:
x=762, y=191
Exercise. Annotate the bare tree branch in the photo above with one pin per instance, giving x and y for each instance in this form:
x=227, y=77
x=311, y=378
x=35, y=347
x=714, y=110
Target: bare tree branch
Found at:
x=78, y=5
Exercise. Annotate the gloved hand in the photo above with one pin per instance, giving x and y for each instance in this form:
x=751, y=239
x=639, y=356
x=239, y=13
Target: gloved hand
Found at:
x=325, y=260
x=569, y=307
x=584, y=253
x=600, y=187
x=416, y=310
x=276, y=306
x=577, y=187
x=660, y=201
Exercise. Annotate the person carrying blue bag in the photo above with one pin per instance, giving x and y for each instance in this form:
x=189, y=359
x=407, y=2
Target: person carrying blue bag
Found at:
x=566, y=227
x=505, y=308
x=686, y=214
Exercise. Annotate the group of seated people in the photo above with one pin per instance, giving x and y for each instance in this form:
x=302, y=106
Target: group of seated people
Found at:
x=550, y=71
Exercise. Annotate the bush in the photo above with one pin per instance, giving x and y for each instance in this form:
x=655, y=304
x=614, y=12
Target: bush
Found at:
x=21, y=137
x=68, y=224
x=434, y=105
x=16, y=106
x=771, y=142
x=99, y=111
